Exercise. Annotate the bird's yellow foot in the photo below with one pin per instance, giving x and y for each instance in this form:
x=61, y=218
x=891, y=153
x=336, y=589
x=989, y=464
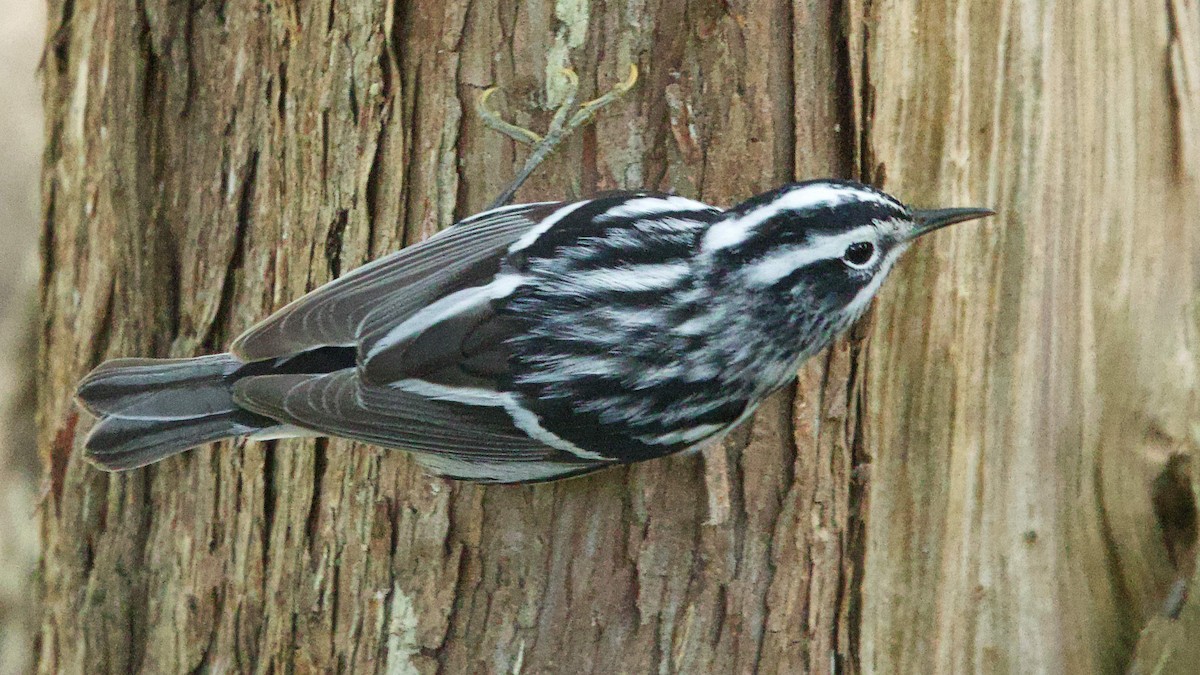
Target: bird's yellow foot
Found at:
x=566, y=119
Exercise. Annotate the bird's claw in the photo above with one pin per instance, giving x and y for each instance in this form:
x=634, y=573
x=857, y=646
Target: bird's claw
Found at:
x=493, y=121
x=589, y=109
x=561, y=125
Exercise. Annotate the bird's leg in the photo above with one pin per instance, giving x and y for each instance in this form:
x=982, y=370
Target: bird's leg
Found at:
x=566, y=119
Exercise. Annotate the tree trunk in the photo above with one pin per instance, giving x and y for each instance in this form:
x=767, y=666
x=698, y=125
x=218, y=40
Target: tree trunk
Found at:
x=997, y=479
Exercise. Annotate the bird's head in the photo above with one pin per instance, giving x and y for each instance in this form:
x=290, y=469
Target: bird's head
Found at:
x=822, y=247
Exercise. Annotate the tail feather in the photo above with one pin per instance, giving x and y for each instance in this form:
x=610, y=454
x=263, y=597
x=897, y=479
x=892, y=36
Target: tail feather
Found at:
x=160, y=388
x=119, y=444
x=150, y=409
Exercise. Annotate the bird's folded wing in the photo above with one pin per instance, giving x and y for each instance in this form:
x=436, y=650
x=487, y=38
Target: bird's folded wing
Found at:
x=397, y=285
x=461, y=344
x=459, y=440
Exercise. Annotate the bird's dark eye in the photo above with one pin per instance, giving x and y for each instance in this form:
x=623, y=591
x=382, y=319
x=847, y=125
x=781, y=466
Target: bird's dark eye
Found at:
x=859, y=254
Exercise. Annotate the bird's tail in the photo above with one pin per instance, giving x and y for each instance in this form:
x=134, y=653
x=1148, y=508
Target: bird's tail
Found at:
x=150, y=409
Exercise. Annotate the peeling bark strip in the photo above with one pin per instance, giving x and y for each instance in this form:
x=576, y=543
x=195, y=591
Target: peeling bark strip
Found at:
x=1025, y=388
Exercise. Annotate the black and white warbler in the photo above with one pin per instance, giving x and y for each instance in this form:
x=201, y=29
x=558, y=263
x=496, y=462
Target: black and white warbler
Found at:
x=537, y=341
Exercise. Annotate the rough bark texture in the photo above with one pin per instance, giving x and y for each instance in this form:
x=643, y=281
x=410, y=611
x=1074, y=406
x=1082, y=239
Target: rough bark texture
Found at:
x=1032, y=387
x=1024, y=410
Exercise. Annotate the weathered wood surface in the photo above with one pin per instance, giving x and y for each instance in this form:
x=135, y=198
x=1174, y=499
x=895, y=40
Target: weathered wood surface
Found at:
x=974, y=489
x=1030, y=381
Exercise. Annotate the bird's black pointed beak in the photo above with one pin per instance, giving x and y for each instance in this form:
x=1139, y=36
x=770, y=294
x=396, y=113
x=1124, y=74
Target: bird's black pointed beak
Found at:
x=935, y=219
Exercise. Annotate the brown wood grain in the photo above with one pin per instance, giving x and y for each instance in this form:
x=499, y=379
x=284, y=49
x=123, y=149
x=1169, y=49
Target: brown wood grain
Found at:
x=1032, y=378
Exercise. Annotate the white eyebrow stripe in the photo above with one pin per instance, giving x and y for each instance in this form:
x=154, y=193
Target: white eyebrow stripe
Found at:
x=733, y=231
x=775, y=266
x=643, y=206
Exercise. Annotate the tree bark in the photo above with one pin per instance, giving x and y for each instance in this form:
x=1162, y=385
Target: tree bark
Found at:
x=1032, y=391
x=997, y=479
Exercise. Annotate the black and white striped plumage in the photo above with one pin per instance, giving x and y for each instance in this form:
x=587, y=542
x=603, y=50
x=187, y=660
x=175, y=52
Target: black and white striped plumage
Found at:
x=537, y=341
